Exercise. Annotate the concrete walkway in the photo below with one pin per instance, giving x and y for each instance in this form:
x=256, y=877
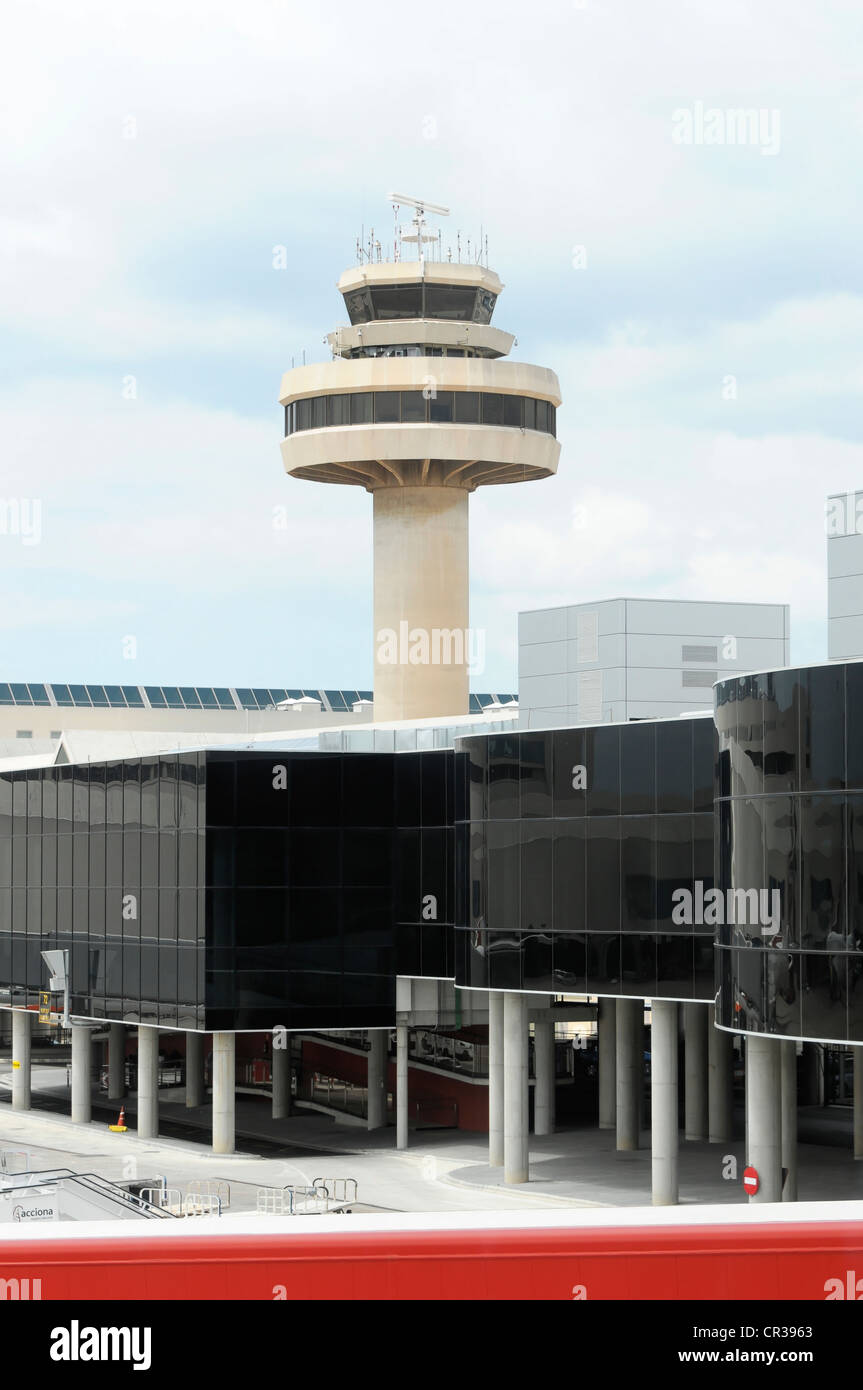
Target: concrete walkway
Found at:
x=443, y=1170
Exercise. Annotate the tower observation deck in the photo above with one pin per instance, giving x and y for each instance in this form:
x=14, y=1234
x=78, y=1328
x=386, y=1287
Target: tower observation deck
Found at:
x=419, y=407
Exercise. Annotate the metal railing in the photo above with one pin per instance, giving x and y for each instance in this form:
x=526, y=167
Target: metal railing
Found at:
x=338, y=1189
x=210, y=1188
x=322, y=1196
x=173, y=1202
x=452, y=1054
x=337, y=1093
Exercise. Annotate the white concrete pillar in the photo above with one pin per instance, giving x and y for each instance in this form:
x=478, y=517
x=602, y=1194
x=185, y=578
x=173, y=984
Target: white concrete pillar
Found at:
x=116, y=1061
x=148, y=1082
x=195, y=1090
x=281, y=1067
x=401, y=1087
x=377, y=1079
x=663, y=1102
x=420, y=582
x=695, y=1071
x=224, y=1093
x=607, y=1063
x=516, y=1087
x=788, y=1083
x=22, y=1030
x=495, y=1079
x=720, y=1073
x=764, y=1116
x=858, y=1102
x=81, y=1060
x=629, y=1018
x=544, y=1088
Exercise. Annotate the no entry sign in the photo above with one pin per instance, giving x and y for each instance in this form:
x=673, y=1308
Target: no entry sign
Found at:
x=750, y=1180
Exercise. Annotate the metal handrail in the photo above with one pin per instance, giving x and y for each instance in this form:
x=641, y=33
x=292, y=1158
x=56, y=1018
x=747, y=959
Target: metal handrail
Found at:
x=90, y=1182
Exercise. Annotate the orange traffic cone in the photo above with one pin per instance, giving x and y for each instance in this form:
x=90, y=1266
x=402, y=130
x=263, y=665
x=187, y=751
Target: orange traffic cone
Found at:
x=120, y=1126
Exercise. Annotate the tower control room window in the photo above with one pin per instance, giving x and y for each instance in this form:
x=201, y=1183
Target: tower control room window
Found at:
x=387, y=407
x=467, y=407
x=361, y=408
x=398, y=301
x=441, y=407
x=338, y=410
x=450, y=302
x=412, y=407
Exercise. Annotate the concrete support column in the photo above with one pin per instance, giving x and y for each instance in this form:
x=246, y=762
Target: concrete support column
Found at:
x=858, y=1102
x=720, y=1072
x=788, y=1084
x=81, y=1059
x=22, y=1028
x=629, y=1018
x=764, y=1116
x=377, y=1079
x=544, y=1089
x=224, y=1093
x=695, y=1071
x=495, y=1079
x=148, y=1083
x=607, y=1059
x=663, y=1102
x=421, y=584
x=116, y=1061
x=281, y=1066
x=516, y=1084
x=195, y=1091
x=401, y=1086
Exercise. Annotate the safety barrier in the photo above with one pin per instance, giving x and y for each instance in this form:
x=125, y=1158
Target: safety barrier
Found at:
x=324, y=1195
x=204, y=1188
x=189, y=1203
x=342, y=1190
x=7, y=1155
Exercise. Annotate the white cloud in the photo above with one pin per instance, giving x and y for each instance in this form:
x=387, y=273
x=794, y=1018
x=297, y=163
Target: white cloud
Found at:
x=284, y=123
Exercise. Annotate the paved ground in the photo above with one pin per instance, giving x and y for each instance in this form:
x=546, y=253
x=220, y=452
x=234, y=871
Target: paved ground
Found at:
x=443, y=1170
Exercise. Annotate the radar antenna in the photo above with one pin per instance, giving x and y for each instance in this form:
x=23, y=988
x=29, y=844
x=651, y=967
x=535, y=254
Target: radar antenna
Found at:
x=417, y=231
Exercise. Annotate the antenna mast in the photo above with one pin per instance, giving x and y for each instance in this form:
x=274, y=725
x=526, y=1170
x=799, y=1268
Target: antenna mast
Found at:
x=418, y=233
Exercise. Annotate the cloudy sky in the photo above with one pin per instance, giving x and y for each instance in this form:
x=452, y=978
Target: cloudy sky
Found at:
x=702, y=304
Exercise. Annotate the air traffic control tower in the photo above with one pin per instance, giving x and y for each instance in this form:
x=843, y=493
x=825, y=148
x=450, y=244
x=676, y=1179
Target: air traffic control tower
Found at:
x=419, y=407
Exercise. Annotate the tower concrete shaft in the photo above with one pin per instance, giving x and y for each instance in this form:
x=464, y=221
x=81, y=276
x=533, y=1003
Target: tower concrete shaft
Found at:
x=421, y=602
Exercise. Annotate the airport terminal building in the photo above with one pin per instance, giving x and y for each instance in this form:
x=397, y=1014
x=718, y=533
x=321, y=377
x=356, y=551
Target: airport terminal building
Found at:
x=452, y=877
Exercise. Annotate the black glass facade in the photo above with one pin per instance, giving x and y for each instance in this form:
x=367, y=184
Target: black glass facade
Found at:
x=230, y=891
x=574, y=842
x=107, y=861
x=246, y=890
x=327, y=875
x=790, y=836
